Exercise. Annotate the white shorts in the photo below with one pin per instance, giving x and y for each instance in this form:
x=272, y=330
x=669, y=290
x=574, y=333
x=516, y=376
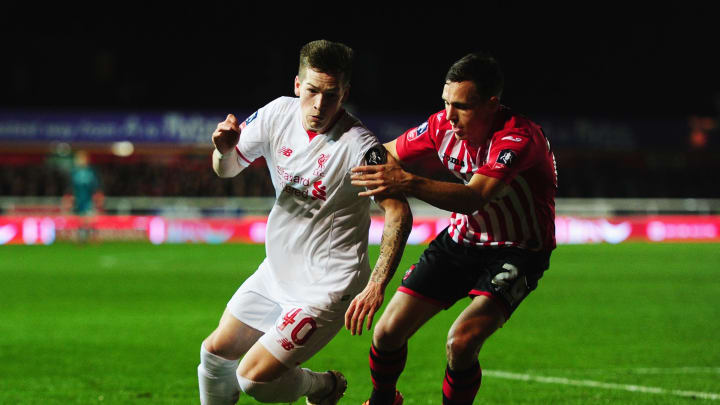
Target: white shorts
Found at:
x=292, y=334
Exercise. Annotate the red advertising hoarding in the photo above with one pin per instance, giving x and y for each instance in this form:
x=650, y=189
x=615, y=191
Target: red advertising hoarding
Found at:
x=32, y=230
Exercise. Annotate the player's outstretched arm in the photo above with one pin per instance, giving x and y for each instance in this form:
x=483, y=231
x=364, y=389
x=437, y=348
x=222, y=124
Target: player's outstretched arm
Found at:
x=462, y=198
x=225, y=137
x=398, y=223
x=391, y=178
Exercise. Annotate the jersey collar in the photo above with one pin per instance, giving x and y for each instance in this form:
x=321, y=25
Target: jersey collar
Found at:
x=311, y=135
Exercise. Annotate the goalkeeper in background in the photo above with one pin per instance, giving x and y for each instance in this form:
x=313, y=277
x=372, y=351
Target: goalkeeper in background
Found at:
x=85, y=197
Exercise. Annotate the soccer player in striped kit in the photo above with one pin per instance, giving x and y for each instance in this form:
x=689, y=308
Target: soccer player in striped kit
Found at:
x=501, y=231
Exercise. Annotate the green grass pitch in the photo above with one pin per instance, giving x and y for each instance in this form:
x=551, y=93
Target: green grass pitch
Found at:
x=122, y=324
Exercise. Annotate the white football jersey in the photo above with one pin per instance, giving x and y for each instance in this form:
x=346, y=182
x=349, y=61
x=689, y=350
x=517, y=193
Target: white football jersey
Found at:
x=317, y=232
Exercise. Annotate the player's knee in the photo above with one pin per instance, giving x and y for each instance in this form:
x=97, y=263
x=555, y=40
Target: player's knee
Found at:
x=211, y=346
x=261, y=391
x=380, y=333
x=220, y=347
x=465, y=345
x=386, y=337
x=215, y=365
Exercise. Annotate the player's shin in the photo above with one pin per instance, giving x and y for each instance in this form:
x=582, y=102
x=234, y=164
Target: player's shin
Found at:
x=216, y=379
x=460, y=387
x=385, y=370
x=290, y=386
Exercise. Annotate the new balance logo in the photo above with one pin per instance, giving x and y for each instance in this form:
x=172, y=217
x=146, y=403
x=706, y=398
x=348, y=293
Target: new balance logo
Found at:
x=285, y=151
x=286, y=344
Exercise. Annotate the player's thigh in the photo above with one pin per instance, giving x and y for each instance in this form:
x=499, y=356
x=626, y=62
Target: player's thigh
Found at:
x=298, y=334
x=260, y=365
x=443, y=274
x=509, y=276
x=434, y=283
x=254, y=303
x=249, y=314
x=403, y=316
x=232, y=338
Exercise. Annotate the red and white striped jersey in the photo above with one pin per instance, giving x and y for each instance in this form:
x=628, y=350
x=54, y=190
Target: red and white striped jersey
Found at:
x=516, y=152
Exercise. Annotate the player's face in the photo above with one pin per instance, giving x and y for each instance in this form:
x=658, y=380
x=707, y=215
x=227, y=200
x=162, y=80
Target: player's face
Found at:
x=470, y=116
x=321, y=97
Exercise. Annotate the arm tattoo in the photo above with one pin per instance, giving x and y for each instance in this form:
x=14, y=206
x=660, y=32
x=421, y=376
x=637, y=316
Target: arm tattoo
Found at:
x=395, y=234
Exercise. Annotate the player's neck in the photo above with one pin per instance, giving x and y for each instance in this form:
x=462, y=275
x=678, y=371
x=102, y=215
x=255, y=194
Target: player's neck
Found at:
x=478, y=142
x=327, y=129
x=486, y=132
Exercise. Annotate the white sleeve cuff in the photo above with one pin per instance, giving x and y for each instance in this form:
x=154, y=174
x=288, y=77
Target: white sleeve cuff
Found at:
x=225, y=155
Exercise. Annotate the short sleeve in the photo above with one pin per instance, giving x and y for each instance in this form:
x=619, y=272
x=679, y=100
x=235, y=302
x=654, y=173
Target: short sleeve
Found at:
x=255, y=132
x=510, y=153
x=372, y=153
x=376, y=155
x=369, y=150
x=417, y=142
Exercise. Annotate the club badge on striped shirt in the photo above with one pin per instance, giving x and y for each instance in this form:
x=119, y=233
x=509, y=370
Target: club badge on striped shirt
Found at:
x=505, y=158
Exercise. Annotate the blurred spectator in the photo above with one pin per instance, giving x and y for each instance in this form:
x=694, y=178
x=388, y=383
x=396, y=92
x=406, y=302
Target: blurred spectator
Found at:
x=86, y=197
x=582, y=174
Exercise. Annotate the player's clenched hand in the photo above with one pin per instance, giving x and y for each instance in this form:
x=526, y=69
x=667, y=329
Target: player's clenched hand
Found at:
x=385, y=179
x=364, y=305
x=227, y=134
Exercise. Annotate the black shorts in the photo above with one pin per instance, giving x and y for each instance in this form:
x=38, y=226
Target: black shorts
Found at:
x=447, y=272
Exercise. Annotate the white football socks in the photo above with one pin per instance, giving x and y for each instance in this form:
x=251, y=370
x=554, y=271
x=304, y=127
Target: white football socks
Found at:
x=290, y=386
x=217, y=381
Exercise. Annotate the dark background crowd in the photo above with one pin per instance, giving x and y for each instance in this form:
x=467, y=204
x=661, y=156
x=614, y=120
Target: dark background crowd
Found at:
x=651, y=68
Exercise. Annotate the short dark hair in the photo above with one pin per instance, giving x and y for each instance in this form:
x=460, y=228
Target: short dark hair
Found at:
x=327, y=57
x=480, y=68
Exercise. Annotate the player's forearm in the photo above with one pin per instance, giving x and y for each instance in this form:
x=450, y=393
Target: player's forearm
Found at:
x=445, y=195
x=226, y=165
x=398, y=224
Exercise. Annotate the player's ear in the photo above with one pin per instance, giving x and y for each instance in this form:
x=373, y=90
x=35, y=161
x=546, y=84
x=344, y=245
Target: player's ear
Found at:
x=297, y=86
x=494, y=103
x=346, y=93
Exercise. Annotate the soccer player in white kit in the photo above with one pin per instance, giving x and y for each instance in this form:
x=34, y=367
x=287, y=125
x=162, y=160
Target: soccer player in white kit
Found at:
x=316, y=240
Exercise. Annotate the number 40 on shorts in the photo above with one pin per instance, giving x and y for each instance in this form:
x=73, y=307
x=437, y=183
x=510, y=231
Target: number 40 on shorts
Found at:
x=301, y=331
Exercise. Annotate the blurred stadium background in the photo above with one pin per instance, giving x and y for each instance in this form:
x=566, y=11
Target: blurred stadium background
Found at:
x=630, y=103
